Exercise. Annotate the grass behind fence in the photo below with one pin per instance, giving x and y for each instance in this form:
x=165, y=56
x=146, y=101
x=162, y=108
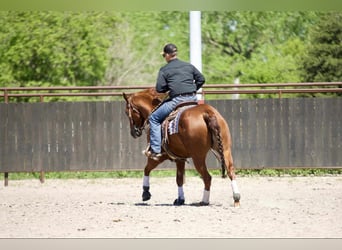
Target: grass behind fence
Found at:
x=172, y=173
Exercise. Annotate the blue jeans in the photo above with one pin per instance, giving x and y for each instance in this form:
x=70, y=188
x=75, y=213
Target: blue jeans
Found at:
x=158, y=116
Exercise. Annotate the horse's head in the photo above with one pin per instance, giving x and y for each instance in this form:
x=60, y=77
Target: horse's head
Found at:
x=138, y=107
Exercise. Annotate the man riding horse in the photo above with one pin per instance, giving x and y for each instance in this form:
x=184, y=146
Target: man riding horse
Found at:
x=200, y=128
x=181, y=80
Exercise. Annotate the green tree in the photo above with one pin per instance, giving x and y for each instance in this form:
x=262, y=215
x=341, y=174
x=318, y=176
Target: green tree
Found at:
x=54, y=48
x=122, y=48
x=134, y=53
x=254, y=46
x=323, y=61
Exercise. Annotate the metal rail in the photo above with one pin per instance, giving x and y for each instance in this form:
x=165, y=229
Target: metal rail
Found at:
x=263, y=88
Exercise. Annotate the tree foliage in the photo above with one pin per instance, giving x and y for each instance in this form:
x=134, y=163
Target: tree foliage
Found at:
x=255, y=46
x=323, y=61
x=53, y=48
x=49, y=48
x=134, y=53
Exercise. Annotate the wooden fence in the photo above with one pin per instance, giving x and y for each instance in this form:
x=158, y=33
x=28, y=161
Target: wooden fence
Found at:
x=94, y=136
x=70, y=136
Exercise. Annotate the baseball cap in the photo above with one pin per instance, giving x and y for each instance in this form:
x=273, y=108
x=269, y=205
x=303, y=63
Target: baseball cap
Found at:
x=169, y=49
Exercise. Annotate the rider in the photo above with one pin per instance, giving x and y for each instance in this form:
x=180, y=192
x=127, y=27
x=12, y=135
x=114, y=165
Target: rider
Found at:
x=182, y=80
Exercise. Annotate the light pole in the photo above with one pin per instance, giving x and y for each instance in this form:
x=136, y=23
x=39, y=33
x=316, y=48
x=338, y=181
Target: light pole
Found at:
x=196, y=45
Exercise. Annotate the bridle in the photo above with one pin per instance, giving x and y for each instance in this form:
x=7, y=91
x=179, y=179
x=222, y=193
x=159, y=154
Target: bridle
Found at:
x=137, y=130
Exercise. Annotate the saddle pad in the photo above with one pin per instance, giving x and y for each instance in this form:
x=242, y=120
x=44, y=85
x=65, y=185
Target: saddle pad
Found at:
x=173, y=124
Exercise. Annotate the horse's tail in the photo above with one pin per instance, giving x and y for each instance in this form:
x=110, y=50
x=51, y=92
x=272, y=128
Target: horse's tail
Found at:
x=215, y=130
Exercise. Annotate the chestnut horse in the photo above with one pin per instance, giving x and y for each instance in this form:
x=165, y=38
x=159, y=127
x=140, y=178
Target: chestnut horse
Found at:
x=201, y=128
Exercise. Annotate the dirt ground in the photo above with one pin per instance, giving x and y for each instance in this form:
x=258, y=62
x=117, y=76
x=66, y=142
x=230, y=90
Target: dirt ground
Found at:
x=271, y=207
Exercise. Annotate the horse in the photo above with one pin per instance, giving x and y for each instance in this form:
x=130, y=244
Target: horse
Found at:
x=201, y=128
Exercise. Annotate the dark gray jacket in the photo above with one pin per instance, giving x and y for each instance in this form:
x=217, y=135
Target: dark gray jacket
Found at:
x=179, y=77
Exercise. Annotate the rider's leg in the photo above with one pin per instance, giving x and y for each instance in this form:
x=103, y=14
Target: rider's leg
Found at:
x=158, y=116
x=155, y=119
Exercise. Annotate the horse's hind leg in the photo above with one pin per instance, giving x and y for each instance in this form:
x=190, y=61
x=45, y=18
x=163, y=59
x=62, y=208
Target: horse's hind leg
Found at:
x=201, y=167
x=232, y=177
x=180, y=181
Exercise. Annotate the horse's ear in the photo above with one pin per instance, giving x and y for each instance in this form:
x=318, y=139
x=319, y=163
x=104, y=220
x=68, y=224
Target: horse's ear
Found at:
x=125, y=96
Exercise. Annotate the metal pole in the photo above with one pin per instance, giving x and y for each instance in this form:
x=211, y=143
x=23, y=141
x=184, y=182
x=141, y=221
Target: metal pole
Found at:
x=196, y=45
x=236, y=82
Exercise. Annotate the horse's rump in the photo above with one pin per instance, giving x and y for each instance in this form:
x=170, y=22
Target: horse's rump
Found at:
x=201, y=128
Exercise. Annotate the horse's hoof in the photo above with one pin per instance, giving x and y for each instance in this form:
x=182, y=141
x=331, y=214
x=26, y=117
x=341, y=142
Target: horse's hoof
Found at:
x=179, y=202
x=202, y=204
x=236, y=197
x=146, y=194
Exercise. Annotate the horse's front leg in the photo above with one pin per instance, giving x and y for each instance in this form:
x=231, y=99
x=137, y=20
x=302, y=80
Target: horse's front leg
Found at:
x=151, y=164
x=180, y=181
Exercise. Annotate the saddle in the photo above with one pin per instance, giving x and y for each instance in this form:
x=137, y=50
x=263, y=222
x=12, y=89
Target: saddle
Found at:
x=170, y=125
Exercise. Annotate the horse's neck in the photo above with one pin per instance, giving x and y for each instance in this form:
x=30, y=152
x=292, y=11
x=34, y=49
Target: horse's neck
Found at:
x=149, y=101
x=153, y=103
x=146, y=110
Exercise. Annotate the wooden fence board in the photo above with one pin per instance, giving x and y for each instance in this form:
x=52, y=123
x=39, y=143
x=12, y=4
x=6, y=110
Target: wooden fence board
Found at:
x=95, y=136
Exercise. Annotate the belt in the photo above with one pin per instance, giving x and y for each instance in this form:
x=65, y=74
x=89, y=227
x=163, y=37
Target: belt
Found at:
x=185, y=94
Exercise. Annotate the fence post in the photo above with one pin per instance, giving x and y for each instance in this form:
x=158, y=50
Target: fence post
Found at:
x=6, y=95
x=42, y=174
x=6, y=178
x=279, y=93
x=6, y=173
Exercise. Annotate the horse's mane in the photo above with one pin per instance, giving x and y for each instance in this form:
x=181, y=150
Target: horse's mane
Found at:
x=151, y=95
x=148, y=98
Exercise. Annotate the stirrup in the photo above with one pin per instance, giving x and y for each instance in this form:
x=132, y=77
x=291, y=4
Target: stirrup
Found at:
x=148, y=153
x=146, y=150
x=153, y=156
